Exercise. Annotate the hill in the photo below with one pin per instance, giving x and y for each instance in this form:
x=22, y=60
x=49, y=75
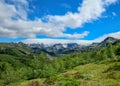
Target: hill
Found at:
x=16, y=49
x=84, y=75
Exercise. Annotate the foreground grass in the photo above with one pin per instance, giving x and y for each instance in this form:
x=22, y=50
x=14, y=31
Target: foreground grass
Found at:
x=94, y=75
x=84, y=75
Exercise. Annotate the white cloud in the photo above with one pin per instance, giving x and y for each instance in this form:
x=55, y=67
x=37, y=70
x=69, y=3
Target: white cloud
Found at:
x=14, y=22
x=16, y=10
x=56, y=41
x=85, y=33
x=89, y=10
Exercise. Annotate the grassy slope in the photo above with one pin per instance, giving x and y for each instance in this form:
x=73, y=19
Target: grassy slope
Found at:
x=95, y=75
x=88, y=75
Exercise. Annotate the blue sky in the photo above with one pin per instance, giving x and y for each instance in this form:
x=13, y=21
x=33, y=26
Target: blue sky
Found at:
x=90, y=20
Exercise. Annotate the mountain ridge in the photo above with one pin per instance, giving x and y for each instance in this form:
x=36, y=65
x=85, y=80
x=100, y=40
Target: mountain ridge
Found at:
x=53, y=50
x=61, y=49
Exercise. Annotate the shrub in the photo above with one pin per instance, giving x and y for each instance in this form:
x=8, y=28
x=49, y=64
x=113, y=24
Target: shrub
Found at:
x=69, y=82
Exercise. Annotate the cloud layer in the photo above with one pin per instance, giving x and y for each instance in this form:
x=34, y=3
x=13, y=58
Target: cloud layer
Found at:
x=15, y=22
x=81, y=42
x=56, y=41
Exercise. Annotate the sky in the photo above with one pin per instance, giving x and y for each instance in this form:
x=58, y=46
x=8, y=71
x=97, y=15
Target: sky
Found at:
x=50, y=21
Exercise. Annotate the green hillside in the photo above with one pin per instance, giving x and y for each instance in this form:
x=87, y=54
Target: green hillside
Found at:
x=99, y=67
x=15, y=49
x=84, y=75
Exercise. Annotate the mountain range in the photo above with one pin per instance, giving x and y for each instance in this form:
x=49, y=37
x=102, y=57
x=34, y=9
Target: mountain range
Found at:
x=66, y=48
x=21, y=49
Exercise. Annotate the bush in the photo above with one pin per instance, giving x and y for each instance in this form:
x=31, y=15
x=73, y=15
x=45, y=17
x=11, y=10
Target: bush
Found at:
x=69, y=82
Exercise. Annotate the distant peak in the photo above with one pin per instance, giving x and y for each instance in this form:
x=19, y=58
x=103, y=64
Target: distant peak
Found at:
x=110, y=38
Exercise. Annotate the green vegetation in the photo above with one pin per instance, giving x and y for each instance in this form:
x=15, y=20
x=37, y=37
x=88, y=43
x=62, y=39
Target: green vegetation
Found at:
x=21, y=67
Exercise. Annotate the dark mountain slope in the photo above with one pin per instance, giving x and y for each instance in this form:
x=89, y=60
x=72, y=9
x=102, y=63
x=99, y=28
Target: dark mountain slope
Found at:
x=107, y=41
x=15, y=49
